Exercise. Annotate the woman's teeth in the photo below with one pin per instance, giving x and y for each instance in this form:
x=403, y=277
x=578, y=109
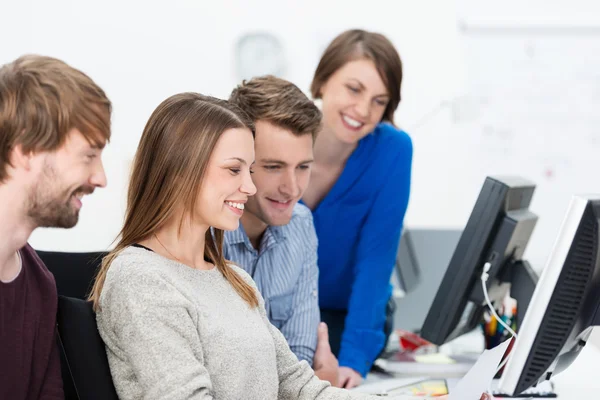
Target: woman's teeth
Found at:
x=239, y=206
x=352, y=122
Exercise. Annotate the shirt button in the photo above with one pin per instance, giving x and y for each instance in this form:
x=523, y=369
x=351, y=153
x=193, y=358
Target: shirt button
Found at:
x=314, y=293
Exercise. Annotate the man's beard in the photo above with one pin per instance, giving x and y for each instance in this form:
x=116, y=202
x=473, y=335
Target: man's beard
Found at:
x=51, y=210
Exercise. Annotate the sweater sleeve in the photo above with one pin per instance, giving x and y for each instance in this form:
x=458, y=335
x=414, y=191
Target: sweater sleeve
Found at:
x=363, y=336
x=297, y=381
x=144, y=320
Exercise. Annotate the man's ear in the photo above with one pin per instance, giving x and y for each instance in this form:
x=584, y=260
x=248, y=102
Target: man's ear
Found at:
x=19, y=159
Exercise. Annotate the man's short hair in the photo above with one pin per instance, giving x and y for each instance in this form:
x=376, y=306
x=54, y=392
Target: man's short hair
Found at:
x=41, y=100
x=275, y=100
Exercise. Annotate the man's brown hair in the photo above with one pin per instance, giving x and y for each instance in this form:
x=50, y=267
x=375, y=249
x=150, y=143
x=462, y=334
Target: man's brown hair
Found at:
x=275, y=100
x=41, y=100
x=356, y=44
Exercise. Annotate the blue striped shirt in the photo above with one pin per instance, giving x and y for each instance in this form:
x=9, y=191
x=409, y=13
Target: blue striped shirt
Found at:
x=285, y=271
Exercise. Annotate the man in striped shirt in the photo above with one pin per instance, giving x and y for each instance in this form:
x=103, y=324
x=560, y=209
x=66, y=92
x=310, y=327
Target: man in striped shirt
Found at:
x=276, y=242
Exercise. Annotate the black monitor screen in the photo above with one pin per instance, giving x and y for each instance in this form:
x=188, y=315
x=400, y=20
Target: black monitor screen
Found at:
x=497, y=232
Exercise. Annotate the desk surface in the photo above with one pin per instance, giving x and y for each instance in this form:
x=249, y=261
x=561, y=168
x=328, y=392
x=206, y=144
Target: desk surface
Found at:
x=580, y=381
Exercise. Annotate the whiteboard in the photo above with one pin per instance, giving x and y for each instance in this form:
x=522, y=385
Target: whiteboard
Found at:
x=531, y=108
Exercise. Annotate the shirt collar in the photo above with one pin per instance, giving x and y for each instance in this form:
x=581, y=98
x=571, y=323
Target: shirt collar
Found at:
x=237, y=236
x=278, y=232
x=272, y=234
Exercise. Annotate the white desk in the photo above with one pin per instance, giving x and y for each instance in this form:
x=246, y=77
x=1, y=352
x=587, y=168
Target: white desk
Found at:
x=580, y=381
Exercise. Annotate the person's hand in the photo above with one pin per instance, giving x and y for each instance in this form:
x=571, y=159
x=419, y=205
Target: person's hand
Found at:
x=349, y=378
x=325, y=364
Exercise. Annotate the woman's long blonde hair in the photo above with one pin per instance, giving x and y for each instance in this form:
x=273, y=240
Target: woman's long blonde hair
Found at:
x=168, y=171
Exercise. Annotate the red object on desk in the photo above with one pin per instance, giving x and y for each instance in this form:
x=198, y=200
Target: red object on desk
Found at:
x=410, y=341
x=506, y=354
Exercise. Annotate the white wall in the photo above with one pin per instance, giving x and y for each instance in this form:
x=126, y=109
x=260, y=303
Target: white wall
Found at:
x=542, y=126
x=140, y=52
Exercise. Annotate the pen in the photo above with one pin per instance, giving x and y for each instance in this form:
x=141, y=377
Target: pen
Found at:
x=493, y=326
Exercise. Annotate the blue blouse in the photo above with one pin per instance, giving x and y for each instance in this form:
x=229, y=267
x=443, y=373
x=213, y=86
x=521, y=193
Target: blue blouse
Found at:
x=358, y=225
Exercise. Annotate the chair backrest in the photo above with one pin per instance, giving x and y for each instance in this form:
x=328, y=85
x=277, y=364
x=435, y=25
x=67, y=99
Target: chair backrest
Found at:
x=408, y=271
x=74, y=272
x=85, y=366
x=432, y=249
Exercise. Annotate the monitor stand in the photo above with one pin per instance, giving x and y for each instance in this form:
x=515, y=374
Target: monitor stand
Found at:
x=522, y=279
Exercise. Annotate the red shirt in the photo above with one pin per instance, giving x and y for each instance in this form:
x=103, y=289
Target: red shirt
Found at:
x=29, y=358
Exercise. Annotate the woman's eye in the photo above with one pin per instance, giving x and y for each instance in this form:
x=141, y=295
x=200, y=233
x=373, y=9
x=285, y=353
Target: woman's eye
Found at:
x=234, y=171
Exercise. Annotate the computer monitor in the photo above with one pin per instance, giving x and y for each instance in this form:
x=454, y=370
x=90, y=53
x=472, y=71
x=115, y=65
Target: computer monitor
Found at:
x=565, y=304
x=497, y=232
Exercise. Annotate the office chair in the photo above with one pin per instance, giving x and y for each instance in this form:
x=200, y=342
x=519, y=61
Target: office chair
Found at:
x=74, y=272
x=407, y=268
x=85, y=370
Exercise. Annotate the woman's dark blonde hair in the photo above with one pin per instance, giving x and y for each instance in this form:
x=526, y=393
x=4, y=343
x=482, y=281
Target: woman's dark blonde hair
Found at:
x=168, y=171
x=357, y=44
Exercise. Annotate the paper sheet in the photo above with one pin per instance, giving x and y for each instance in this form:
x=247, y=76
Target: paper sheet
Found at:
x=480, y=376
x=434, y=358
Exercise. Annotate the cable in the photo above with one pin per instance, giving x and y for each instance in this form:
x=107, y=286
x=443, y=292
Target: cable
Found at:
x=503, y=363
x=484, y=277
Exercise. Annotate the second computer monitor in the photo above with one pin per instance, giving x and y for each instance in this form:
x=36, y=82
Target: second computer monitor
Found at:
x=497, y=232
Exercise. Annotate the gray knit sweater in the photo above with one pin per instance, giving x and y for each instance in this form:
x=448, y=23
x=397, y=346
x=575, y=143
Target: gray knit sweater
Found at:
x=173, y=332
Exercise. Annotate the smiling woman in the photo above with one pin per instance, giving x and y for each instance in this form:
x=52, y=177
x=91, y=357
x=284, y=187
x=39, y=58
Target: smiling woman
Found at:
x=358, y=192
x=221, y=200
x=192, y=163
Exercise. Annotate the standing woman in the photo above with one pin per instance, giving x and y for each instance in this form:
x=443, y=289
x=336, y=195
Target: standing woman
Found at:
x=358, y=192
